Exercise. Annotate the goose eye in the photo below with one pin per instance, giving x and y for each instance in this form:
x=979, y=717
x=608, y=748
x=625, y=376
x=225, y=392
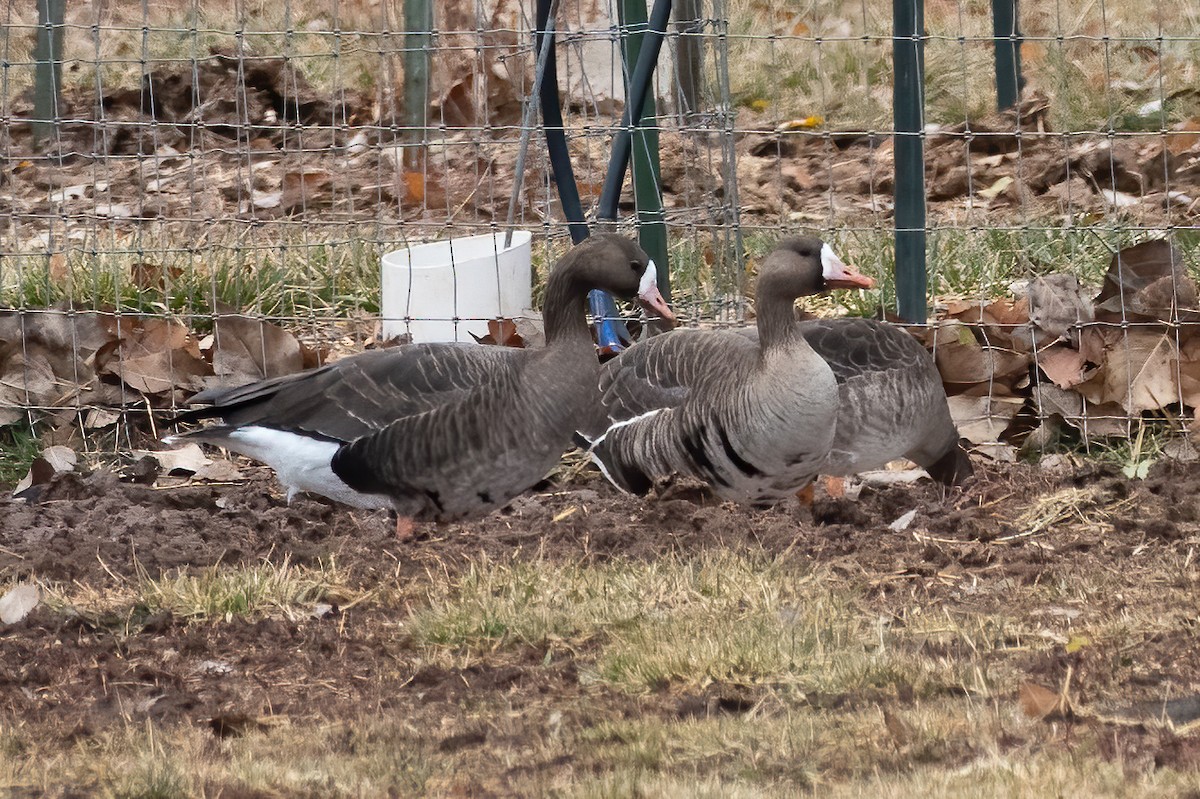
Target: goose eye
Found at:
x=636, y=266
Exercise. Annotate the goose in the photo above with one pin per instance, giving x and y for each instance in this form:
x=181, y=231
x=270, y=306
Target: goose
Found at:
x=754, y=418
x=891, y=403
x=434, y=432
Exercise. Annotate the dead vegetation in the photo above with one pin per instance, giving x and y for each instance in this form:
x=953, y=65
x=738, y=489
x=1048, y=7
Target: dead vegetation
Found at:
x=1031, y=634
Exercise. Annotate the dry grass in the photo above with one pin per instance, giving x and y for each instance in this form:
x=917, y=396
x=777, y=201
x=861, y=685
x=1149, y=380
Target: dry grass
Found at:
x=203, y=595
x=672, y=622
x=842, y=700
x=833, y=58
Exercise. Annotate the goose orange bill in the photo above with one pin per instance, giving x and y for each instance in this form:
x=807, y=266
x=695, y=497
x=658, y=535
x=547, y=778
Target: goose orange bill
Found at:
x=841, y=275
x=650, y=297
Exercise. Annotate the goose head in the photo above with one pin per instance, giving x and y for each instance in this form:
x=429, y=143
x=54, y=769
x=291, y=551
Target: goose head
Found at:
x=798, y=267
x=619, y=266
x=802, y=266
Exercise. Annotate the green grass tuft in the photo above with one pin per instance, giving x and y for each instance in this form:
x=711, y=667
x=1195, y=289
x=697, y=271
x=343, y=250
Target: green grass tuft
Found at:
x=18, y=447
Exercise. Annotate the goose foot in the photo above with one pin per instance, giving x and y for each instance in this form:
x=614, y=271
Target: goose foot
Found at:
x=404, y=528
x=806, y=495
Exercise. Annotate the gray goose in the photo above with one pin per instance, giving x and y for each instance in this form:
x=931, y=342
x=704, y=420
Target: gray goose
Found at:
x=891, y=403
x=435, y=431
x=753, y=418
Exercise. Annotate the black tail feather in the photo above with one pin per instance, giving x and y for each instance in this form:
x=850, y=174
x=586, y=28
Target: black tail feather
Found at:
x=626, y=476
x=953, y=468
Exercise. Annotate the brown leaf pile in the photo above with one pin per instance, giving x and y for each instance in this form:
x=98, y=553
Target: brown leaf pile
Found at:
x=251, y=139
x=1008, y=162
x=89, y=369
x=1059, y=355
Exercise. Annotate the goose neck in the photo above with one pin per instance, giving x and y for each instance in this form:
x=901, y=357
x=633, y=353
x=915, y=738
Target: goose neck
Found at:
x=563, y=309
x=777, y=322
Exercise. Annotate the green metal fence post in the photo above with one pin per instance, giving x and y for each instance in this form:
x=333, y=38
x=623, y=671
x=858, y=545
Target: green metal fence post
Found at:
x=1006, y=33
x=418, y=27
x=689, y=57
x=652, y=227
x=908, y=102
x=48, y=75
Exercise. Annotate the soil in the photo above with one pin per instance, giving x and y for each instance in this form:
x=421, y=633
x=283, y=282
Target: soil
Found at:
x=71, y=676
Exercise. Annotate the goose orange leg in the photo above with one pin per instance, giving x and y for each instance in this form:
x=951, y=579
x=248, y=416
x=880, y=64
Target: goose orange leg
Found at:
x=835, y=487
x=404, y=528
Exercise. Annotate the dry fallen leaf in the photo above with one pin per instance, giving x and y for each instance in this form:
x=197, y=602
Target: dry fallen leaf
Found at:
x=414, y=188
x=1041, y=703
x=1037, y=702
x=52, y=461
x=501, y=332
x=1145, y=281
x=188, y=459
x=1189, y=372
x=20, y=600
x=1063, y=365
x=155, y=356
x=1106, y=420
x=1185, y=138
x=1057, y=304
x=248, y=349
x=301, y=188
x=993, y=191
x=1001, y=323
x=96, y=418
x=219, y=470
x=983, y=419
x=26, y=380
x=1138, y=370
x=146, y=275
x=962, y=360
x=59, y=270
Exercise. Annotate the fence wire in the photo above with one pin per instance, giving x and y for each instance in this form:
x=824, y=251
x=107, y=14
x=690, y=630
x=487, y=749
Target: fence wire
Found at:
x=220, y=180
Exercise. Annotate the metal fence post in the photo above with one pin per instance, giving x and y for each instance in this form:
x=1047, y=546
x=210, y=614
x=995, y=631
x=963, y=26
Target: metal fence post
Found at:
x=1006, y=33
x=689, y=57
x=48, y=76
x=908, y=104
x=418, y=27
x=652, y=228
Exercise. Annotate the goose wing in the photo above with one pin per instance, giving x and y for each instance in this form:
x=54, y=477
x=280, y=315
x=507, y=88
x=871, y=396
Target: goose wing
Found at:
x=891, y=400
x=365, y=393
x=662, y=371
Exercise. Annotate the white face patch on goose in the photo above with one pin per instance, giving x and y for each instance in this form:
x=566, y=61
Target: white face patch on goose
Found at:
x=831, y=265
x=649, y=279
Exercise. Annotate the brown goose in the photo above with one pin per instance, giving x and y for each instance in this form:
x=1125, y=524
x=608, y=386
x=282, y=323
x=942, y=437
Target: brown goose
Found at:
x=435, y=431
x=891, y=403
x=753, y=418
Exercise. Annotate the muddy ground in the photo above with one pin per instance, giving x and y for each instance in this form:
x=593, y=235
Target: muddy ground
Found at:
x=71, y=677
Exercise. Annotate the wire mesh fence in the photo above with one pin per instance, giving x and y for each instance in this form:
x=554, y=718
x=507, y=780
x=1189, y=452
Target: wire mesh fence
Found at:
x=213, y=189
